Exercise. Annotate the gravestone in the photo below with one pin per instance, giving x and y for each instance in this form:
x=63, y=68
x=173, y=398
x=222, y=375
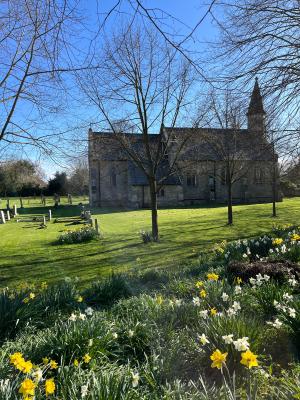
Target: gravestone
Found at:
x=15, y=210
x=44, y=220
x=50, y=215
x=8, y=215
x=2, y=217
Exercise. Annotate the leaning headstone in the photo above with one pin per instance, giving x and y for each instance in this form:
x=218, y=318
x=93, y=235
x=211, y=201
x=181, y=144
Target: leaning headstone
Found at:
x=50, y=215
x=8, y=215
x=2, y=217
x=15, y=210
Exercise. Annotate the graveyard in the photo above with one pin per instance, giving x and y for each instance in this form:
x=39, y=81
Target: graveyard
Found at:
x=29, y=252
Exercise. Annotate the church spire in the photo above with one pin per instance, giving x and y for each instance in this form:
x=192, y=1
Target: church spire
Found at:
x=256, y=112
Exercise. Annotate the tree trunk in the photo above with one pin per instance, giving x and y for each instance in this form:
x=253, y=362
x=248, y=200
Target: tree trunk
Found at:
x=229, y=203
x=153, y=196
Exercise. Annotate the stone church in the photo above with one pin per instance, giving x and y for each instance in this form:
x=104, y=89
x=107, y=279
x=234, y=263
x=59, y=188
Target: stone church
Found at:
x=205, y=159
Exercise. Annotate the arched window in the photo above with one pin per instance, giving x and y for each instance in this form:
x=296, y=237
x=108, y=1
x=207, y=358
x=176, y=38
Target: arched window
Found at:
x=258, y=175
x=191, y=180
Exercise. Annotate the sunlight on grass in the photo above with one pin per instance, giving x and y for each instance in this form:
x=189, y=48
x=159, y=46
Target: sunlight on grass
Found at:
x=28, y=253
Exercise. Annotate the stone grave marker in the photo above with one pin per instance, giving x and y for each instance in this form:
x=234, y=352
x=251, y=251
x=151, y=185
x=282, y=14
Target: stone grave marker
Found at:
x=15, y=210
x=2, y=217
x=8, y=215
x=50, y=215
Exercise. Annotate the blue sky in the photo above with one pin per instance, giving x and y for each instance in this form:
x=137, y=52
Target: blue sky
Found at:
x=70, y=124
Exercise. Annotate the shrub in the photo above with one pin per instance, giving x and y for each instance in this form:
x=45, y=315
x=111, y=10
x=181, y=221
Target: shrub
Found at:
x=81, y=235
x=146, y=236
x=108, y=291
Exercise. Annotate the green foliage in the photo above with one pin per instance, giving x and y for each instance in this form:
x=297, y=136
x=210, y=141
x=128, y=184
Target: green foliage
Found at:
x=81, y=235
x=108, y=291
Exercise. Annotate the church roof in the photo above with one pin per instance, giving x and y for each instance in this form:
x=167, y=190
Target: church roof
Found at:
x=256, y=103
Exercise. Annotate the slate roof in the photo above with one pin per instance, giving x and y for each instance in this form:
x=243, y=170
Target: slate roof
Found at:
x=209, y=144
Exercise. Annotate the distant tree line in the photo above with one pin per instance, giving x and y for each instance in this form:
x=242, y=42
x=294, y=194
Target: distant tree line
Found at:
x=25, y=178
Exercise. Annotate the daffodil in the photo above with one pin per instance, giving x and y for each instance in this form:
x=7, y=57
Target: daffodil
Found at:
x=277, y=241
x=27, y=388
x=49, y=386
x=199, y=284
x=53, y=364
x=218, y=359
x=203, y=339
x=75, y=363
x=86, y=358
x=213, y=311
x=249, y=359
x=203, y=293
x=212, y=276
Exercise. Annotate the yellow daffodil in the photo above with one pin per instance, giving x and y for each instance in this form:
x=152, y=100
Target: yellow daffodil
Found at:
x=202, y=293
x=86, y=358
x=26, y=300
x=15, y=358
x=45, y=360
x=159, y=299
x=277, y=241
x=76, y=363
x=79, y=299
x=212, y=276
x=239, y=280
x=249, y=359
x=27, y=388
x=295, y=237
x=218, y=359
x=199, y=284
x=213, y=311
x=49, y=386
x=31, y=295
x=53, y=364
x=44, y=285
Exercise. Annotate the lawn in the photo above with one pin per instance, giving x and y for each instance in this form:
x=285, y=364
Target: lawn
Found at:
x=28, y=253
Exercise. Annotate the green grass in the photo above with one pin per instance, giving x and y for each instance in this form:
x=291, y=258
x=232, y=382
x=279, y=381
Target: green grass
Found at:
x=28, y=253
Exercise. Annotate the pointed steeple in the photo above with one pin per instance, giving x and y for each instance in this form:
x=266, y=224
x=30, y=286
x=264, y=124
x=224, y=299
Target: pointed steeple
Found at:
x=256, y=103
x=256, y=113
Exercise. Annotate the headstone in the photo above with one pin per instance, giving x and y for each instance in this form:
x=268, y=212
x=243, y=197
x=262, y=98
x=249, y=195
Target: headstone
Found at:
x=15, y=210
x=96, y=226
x=50, y=215
x=2, y=217
x=44, y=220
x=8, y=215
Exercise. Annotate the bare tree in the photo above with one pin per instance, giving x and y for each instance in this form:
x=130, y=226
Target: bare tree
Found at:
x=232, y=147
x=142, y=86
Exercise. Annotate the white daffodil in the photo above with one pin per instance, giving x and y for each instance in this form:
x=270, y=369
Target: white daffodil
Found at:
x=292, y=312
x=241, y=344
x=276, y=324
x=130, y=333
x=37, y=375
x=84, y=390
x=228, y=339
x=287, y=297
x=292, y=282
x=203, y=339
x=178, y=302
x=245, y=255
x=135, y=379
x=224, y=296
x=114, y=335
x=236, y=306
x=73, y=317
x=89, y=311
x=196, y=301
x=82, y=316
x=237, y=289
x=203, y=313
